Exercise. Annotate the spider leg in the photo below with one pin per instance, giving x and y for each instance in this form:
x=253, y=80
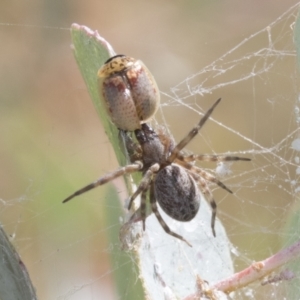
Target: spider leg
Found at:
x=208, y=157
x=210, y=198
x=143, y=208
x=137, y=166
x=213, y=179
x=203, y=174
x=161, y=220
x=133, y=149
x=192, y=133
x=144, y=184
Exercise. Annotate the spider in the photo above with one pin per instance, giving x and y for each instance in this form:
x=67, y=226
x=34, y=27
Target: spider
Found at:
x=169, y=177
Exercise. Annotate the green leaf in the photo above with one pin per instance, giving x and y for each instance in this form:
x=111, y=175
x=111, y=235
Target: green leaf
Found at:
x=91, y=51
x=15, y=283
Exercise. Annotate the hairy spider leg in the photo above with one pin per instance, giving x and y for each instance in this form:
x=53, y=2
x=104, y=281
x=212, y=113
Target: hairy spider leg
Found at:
x=204, y=175
x=144, y=184
x=137, y=166
x=161, y=220
x=192, y=133
x=209, y=196
x=210, y=157
x=143, y=208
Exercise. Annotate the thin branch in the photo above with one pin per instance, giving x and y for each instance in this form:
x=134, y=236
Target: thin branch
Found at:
x=257, y=271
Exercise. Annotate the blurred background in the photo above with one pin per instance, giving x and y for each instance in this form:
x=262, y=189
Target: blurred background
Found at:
x=52, y=141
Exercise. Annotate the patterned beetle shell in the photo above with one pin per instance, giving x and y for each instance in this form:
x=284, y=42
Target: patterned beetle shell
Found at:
x=129, y=91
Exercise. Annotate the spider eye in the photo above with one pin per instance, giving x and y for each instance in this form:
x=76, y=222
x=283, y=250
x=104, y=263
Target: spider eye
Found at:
x=129, y=90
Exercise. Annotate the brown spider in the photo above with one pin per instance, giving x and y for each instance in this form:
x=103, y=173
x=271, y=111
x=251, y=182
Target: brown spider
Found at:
x=168, y=175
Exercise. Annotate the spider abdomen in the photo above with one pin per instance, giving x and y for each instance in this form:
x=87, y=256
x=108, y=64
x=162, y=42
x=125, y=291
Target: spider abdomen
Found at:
x=177, y=193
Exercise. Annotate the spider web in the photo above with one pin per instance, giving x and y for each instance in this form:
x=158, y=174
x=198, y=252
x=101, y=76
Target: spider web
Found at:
x=260, y=119
x=73, y=252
